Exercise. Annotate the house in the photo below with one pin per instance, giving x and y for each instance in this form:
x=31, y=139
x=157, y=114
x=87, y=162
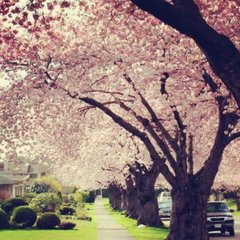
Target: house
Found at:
x=6, y=187
x=14, y=180
x=12, y=186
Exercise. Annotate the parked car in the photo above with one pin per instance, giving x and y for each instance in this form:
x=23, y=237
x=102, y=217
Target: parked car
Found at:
x=165, y=209
x=220, y=218
x=165, y=197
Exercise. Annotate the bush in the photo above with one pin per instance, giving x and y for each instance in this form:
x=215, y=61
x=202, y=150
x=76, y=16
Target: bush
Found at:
x=66, y=211
x=29, y=196
x=3, y=219
x=66, y=200
x=82, y=214
x=91, y=197
x=23, y=217
x=230, y=195
x=45, y=202
x=78, y=198
x=8, y=208
x=67, y=225
x=40, y=188
x=48, y=220
x=46, y=184
x=11, y=203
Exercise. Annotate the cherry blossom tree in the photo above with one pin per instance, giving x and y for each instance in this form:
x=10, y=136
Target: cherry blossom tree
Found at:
x=148, y=78
x=188, y=18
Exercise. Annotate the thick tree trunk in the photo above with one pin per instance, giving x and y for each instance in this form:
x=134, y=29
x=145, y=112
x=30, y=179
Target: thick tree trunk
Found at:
x=131, y=197
x=145, y=179
x=238, y=203
x=132, y=205
x=148, y=213
x=189, y=215
x=115, y=197
x=124, y=200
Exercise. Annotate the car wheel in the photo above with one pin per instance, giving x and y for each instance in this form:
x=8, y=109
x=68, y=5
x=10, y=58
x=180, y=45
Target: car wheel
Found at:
x=231, y=232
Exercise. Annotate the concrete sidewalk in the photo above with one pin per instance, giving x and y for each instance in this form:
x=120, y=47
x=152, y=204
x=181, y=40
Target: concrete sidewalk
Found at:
x=108, y=227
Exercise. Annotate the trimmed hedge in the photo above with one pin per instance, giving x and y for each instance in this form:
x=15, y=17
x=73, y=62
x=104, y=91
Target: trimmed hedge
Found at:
x=11, y=203
x=23, y=216
x=66, y=210
x=3, y=219
x=67, y=225
x=48, y=220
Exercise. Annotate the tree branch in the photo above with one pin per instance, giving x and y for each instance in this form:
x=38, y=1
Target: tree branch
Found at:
x=210, y=82
x=133, y=130
x=208, y=172
x=190, y=155
x=221, y=53
x=108, y=92
x=154, y=117
x=233, y=136
x=146, y=124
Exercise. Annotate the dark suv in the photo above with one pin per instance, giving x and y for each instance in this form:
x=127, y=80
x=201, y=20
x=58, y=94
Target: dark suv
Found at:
x=220, y=218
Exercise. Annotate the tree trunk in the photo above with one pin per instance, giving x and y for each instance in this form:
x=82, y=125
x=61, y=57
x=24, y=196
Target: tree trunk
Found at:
x=117, y=201
x=124, y=200
x=145, y=179
x=148, y=213
x=189, y=214
x=132, y=205
x=238, y=203
x=115, y=196
x=131, y=197
x=218, y=195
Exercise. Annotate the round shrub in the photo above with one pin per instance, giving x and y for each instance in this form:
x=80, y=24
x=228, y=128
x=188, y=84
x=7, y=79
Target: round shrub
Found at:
x=23, y=217
x=67, y=225
x=11, y=203
x=48, y=220
x=66, y=210
x=45, y=202
x=3, y=219
x=8, y=208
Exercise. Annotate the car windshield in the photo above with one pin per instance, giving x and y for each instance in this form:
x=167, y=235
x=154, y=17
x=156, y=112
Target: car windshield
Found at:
x=217, y=207
x=165, y=204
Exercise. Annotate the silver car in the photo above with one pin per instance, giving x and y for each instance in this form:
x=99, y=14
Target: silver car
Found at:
x=220, y=218
x=165, y=209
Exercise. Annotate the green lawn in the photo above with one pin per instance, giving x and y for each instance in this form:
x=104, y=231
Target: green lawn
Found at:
x=148, y=233
x=85, y=230
x=232, y=205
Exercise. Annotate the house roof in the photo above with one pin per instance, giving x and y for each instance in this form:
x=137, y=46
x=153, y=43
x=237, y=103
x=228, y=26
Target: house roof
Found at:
x=19, y=179
x=24, y=168
x=5, y=180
